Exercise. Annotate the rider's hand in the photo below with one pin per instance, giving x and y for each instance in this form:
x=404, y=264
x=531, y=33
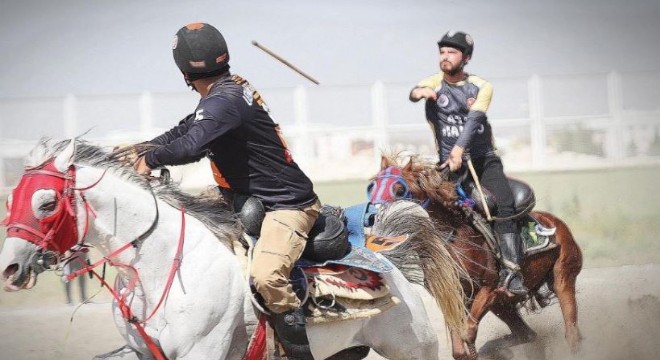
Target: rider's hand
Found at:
x=130, y=153
x=423, y=93
x=141, y=166
x=455, y=159
x=126, y=154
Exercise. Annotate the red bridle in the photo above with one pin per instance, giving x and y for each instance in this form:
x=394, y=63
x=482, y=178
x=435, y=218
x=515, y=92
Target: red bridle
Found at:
x=381, y=190
x=57, y=232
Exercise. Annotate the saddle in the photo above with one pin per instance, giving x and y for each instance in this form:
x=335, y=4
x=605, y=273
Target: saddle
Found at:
x=536, y=237
x=334, y=280
x=523, y=195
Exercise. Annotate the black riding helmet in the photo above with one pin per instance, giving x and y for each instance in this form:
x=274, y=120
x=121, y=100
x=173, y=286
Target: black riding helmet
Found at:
x=200, y=51
x=458, y=40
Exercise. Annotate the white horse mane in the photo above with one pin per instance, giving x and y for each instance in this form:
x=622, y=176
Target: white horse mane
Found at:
x=214, y=213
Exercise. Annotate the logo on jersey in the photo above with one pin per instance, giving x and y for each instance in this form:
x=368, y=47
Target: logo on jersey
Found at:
x=454, y=131
x=248, y=90
x=443, y=100
x=198, y=115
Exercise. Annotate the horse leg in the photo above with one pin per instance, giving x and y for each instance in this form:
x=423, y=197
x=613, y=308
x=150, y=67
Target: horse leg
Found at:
x=565, y=272
x=482, y=302
x=521, y=333
x=564, y=287
x=458, y=349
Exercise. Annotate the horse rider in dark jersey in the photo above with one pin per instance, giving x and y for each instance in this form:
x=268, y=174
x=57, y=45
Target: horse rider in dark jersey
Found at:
x=456, y=105
x=232, y=127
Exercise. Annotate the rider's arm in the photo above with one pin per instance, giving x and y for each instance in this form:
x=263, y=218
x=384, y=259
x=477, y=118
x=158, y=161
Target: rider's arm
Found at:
x=213, y=119
x=174, y=132
x=476, y=117
x=425, y=89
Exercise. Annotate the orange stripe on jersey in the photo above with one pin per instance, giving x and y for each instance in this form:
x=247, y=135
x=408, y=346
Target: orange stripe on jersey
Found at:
x=287, y=152
x=218, y=177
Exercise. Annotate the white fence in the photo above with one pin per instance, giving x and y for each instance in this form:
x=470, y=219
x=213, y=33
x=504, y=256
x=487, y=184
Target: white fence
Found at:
x=540, y=123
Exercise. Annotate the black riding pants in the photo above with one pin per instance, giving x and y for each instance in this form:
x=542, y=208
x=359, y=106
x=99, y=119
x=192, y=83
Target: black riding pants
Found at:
x=490, y=171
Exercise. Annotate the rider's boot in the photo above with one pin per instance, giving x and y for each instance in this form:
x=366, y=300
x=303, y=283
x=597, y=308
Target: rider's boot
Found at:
x=290, y=329
x=512, y=256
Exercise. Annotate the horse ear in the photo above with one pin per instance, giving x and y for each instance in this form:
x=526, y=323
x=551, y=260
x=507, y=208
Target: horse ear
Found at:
x=383, y=162
x=65, y=158
x=408, y=166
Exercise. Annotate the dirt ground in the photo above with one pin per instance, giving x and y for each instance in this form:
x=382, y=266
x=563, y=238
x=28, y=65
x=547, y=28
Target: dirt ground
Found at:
x=619, y=316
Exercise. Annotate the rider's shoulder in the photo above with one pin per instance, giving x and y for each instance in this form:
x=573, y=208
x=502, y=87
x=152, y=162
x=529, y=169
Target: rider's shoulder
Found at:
x=213, y=106
x=432, y=81
x=478, y=81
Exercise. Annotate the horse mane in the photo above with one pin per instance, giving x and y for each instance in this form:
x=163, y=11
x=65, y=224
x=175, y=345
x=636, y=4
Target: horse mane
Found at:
x=214, y=213
x=424, y=258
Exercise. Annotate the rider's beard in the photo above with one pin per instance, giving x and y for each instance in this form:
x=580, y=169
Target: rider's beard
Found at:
x=449, y=69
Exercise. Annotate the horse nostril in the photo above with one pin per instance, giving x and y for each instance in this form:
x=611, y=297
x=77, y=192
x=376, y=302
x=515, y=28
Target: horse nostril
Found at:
x=9, y=271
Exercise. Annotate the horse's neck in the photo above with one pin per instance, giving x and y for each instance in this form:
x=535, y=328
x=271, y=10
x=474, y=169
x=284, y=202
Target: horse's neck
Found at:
x=445, y=216
x=125, y=212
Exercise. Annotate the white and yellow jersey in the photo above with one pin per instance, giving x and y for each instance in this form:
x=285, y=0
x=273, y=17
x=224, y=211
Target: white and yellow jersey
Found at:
x=458, y=116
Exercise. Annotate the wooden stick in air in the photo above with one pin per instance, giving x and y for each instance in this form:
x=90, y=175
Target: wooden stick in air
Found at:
x=294, y=68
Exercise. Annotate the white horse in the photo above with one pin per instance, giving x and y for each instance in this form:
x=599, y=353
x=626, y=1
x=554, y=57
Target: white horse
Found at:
x=73, y=193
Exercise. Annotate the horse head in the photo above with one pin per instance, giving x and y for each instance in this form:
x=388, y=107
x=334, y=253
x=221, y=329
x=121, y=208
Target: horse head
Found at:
x=416, y=180
x=41, y=220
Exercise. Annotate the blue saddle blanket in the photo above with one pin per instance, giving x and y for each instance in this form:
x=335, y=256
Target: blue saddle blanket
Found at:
x=358, y=217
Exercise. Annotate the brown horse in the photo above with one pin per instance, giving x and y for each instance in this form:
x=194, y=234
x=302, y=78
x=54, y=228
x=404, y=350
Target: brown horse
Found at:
x=548, y=271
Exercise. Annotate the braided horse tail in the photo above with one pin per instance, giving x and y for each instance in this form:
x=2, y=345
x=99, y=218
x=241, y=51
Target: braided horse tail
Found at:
x=424, y=259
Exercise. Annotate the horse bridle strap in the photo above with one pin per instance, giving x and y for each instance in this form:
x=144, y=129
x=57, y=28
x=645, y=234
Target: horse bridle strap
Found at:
x=121, y=298
x=58, y=231
x=381, y=190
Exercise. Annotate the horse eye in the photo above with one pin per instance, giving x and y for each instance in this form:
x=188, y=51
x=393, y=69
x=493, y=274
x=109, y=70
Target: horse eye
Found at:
x=48, y=206
x=398, y=190
x=370, y=187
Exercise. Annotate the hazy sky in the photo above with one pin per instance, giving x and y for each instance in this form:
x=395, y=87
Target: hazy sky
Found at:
x=55, y=47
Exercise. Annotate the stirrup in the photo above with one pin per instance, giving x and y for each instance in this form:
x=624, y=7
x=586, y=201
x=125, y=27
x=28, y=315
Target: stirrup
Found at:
x=506, y=284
